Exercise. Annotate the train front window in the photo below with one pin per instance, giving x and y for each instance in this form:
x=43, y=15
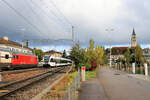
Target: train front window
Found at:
x=53, y=60
x=15, y=57
x=46, y=58
x=6, y=56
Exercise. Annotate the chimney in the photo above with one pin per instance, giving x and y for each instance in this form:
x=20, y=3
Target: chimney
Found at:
x=5, y=38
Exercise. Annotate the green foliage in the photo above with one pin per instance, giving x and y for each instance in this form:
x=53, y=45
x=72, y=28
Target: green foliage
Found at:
x=139, y=55
x=105, y=60
x=90, y=57
x=90, y=74
x=99, y=54
x=91, y=44
x=127, y=56
x=76, y=54
x=64, y=55
x=39, y=53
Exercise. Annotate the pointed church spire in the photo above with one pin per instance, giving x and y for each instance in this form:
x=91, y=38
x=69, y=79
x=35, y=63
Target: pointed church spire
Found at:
x=133, y=39
x=133, y=33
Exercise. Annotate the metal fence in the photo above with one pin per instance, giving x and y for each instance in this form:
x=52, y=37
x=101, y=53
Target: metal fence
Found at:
x=71, y=93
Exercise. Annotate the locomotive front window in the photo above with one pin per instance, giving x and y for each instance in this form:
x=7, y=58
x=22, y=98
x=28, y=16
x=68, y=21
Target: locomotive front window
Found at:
x=52, y=60
x=6, y=56
x=15, y=57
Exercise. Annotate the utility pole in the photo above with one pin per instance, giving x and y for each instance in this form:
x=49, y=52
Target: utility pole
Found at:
x=109, y=30
x=72, y=35
x=23, y=30
x=27, y=43
x=110, y=53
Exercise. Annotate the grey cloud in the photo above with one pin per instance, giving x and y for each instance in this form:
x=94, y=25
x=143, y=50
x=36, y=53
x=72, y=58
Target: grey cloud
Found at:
x=90, y=18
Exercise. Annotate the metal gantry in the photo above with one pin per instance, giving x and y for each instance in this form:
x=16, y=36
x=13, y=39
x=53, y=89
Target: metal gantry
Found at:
x=51, y=40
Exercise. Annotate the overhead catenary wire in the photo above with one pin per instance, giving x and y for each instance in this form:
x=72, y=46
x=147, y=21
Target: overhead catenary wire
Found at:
x=51, y=1
x=19, y=14
x=44, y=12
x=28, y=21
x=63, y=18
x=31, y=9
x=58, y=18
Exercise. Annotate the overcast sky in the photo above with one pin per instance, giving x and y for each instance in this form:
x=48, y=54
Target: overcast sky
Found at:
x=44, y=19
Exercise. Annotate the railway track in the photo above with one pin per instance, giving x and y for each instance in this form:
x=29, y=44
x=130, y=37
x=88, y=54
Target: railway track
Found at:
x=7, y=89
x=19, y=71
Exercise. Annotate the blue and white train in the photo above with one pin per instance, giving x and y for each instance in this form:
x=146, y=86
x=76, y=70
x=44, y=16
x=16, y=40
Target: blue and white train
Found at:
x=52, y=61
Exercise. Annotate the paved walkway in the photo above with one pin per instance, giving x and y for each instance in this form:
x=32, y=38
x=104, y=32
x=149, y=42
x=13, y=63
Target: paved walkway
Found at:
x=117, y=86
x=92, y=90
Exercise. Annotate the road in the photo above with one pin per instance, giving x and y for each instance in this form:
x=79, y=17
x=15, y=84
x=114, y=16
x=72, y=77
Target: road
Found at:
x=112, y=84
x=120, y=86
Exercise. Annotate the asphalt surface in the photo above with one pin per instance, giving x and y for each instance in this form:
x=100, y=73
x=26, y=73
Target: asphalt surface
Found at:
x=92, y=90
x=120, y=86
x=111, y=84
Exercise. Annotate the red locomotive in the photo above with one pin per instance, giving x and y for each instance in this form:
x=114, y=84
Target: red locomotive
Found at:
x=11, y=60
x=20, y=60
x=14, y=55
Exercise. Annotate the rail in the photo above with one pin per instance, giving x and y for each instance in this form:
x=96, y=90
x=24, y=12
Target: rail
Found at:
x=19, y=71
x=16, y=85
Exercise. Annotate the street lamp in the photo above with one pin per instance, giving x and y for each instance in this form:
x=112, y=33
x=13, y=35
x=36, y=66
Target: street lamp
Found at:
x=110, y=30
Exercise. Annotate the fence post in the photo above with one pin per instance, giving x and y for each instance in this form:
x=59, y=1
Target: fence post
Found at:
x=79, y=77
x=75, y=83
x=133, y=68
x=83, y=73
x=69, y=91
x=146, y=69
x=0, y=77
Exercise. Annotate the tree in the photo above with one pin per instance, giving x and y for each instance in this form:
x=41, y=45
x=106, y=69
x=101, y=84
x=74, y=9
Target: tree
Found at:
x=127, y=56
x=91, y=44
x=138, y=55
x=105, y=56
x=39, y=53
x=89, y=57
x=76, y=55
x=85, y=59
x=64, y=55
x=99, y=54
x=90, y=50
x=92, y=55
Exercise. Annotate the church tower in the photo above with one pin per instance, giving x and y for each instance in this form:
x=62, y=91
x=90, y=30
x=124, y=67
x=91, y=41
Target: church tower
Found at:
x=133, y=39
